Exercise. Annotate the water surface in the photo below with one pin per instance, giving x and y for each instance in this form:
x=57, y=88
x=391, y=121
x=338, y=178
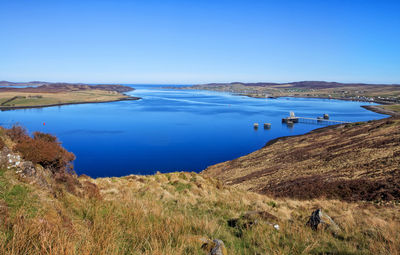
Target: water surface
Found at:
x=173, y=130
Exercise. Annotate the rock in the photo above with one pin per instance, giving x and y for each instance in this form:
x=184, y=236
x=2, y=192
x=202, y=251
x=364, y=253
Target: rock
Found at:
x=27, y=168
x=213, y=247
x=29, y=171
x=318, y=217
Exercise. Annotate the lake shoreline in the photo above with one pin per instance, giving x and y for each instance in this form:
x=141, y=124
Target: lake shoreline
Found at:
x=2, y=108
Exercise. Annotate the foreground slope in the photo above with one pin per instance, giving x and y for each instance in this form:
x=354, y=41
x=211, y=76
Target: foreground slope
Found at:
x=44, y=209
x=358, y=161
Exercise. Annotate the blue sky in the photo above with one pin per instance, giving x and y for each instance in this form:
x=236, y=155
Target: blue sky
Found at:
x=190, y=42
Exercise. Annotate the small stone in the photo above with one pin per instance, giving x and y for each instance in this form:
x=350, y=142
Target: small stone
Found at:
x=219, y=248
x=318, y=217
x=214, y=247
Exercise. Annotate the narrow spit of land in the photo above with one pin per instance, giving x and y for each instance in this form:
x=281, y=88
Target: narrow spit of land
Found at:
x=393, y=109
x=55, y=94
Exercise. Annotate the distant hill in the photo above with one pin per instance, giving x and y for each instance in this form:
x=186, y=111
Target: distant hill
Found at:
x=31, y=83
x=299, y=84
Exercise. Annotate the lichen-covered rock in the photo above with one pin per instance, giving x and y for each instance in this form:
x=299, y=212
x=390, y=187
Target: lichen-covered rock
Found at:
x=34, y=174
x=318, y=217
x=27, y=168
x=213, y=247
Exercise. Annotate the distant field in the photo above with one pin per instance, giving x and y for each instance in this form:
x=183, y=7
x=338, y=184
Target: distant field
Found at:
x=26, y=99
x=393, y=107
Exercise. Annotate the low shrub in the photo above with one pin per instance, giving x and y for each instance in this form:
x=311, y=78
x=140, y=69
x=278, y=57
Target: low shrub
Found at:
x=43, y=149
x=17, y=133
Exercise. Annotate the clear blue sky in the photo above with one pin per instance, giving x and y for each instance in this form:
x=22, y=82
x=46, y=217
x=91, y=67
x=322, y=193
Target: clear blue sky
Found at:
x=186, y=42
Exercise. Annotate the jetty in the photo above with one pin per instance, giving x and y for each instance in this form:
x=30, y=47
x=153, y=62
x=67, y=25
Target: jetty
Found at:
x=319, y=120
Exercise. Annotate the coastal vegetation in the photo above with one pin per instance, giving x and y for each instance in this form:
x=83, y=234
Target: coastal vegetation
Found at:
x=60, y=94
x=47, y=209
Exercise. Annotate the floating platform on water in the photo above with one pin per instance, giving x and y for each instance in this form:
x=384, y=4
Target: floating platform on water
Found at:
x=319, y=120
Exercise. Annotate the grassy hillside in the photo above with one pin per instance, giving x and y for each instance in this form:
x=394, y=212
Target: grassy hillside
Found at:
x=358, y=161
x=45, y=209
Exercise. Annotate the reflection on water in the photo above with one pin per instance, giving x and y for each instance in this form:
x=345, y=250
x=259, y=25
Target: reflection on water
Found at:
x=174, y=130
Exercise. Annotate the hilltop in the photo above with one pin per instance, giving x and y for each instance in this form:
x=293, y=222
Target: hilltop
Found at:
x=46, y=209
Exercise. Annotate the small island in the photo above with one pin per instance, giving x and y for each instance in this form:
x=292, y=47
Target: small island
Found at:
x=55, y=94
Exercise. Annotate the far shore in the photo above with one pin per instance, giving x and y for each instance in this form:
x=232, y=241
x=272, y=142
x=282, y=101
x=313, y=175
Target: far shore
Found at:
x=58, y=94
x=61, y=104
x=380, y=108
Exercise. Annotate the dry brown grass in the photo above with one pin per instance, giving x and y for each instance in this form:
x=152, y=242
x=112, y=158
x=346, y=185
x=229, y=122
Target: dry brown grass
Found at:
x=152, y=215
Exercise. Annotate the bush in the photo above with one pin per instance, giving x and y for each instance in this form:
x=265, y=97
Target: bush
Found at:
x=46, y=150
x=44, y=137
x=17, y=133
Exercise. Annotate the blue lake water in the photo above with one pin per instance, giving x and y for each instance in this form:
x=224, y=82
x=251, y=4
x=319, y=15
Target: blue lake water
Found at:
x=173, y=130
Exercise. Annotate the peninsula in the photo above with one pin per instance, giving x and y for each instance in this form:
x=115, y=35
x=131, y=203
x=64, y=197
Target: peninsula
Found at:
x=53, y=94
